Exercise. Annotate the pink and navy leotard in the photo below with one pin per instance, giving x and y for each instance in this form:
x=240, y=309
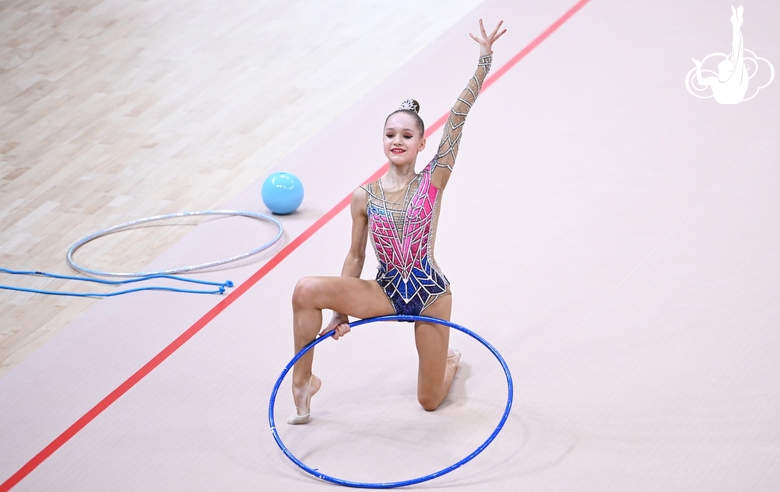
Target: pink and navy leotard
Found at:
x=402, y=224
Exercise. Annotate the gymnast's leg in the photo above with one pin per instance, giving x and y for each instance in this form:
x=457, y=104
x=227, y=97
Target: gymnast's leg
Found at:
x=737, y=47
x=438, y=364
x=348, y=296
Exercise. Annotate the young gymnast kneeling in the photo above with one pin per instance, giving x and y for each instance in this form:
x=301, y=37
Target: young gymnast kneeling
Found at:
x=400, y=213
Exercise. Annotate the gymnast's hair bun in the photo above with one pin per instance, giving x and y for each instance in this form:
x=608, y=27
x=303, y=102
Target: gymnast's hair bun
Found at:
x=410, y=105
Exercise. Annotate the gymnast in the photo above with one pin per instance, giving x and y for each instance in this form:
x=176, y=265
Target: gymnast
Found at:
x=399, y=212
x=731, y=84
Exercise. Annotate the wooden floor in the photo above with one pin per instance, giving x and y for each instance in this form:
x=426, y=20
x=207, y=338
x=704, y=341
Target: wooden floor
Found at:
x=111, y=111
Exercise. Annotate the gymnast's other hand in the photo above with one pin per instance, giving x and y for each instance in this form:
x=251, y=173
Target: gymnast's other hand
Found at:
x=486, y=42
x=340, y=323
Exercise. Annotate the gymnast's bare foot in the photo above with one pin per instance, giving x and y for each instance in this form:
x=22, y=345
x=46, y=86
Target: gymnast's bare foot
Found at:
x=453, y=359
x=302, y=398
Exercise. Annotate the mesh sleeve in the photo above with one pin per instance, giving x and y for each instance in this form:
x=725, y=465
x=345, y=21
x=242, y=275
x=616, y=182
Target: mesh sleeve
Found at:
x=450, y=139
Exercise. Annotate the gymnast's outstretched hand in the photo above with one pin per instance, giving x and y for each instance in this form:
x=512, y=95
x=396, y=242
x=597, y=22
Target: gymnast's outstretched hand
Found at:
x=486, y=42
x=340, y=323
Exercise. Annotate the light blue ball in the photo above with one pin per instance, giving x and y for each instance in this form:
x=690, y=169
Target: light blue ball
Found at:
x=282, y=193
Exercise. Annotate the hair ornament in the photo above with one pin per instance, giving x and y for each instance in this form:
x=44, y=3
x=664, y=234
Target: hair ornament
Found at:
x=410, y=105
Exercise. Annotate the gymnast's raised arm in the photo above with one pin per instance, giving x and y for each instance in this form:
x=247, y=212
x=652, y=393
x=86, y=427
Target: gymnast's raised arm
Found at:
x=450, y=139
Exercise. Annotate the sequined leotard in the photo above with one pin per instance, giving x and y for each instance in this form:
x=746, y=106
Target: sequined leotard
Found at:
x=402, y=225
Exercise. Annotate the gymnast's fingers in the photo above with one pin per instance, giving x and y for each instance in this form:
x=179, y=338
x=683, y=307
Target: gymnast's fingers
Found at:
x=340, y=331
x=493, y=34
x=344, y=329
x=499, y=35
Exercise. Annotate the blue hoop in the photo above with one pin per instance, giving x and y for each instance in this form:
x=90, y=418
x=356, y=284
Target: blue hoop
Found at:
x=389, y=485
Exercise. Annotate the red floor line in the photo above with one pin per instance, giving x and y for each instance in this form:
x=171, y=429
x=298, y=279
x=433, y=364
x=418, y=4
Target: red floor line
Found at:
x=533, y=44
x=241, y=289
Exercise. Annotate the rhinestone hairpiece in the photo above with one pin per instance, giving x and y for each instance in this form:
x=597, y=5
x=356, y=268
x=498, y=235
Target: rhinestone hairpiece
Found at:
x=408, y=105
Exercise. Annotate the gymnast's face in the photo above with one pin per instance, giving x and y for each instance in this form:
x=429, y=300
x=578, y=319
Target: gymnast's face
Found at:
x=402, y=139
